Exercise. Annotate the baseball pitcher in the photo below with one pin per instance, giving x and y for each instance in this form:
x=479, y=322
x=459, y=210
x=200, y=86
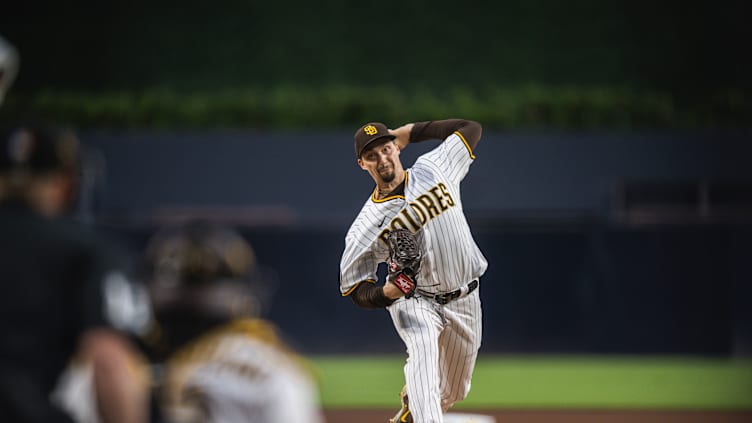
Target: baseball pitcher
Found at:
x=414, y=222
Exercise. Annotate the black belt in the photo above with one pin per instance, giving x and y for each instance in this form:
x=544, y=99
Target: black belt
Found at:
x=451, y=296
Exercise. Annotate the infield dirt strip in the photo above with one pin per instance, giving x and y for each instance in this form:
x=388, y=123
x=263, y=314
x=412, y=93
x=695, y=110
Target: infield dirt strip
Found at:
x=563, y=416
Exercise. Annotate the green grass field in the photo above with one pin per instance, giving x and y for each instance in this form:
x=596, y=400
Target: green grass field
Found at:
x=553, y=382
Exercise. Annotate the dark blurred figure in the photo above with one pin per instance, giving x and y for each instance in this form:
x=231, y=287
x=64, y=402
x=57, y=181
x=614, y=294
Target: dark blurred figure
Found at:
x=219, y=361
x=8, y=66
x=64, y=292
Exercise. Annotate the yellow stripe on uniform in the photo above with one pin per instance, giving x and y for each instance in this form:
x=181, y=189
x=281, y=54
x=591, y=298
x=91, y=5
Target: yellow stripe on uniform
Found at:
x=376, y=190
x=470, y=150
x=376, y=200
x=349, y=291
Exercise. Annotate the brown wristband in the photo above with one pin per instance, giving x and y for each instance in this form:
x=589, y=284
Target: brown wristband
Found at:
x=369, y=295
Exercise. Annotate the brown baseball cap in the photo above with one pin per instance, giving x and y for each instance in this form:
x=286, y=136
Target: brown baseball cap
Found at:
x=368, y=134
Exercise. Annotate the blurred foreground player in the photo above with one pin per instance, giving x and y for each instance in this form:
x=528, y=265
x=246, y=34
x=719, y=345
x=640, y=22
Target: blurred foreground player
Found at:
x=8, y=66
x=62, y=290
x=220, y=363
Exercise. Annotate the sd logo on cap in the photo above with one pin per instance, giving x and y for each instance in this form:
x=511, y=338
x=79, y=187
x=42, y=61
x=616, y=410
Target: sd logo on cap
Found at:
x=368, y=134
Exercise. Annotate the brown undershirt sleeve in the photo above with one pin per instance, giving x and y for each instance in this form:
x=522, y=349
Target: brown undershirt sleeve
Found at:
x=440, y=129
x=370, y=295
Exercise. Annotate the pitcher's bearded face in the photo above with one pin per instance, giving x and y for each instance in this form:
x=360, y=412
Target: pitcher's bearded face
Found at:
x=386, y=171
x=382, y=161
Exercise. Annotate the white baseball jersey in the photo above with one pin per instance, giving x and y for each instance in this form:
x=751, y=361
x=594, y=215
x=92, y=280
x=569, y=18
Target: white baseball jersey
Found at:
x=442, y=340
x=431, y=208
x=240, y=373
x=237, y=373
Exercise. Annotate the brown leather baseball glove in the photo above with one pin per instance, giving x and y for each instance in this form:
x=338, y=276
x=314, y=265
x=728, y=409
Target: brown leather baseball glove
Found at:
x=404, y=260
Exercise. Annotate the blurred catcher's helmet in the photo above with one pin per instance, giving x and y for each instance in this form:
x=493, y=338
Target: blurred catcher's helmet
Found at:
x=202, y=268
x=8, y=66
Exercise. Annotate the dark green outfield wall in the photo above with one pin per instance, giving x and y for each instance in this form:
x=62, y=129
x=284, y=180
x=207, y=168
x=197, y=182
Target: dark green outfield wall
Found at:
x=684, y=61
x=667, y=44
